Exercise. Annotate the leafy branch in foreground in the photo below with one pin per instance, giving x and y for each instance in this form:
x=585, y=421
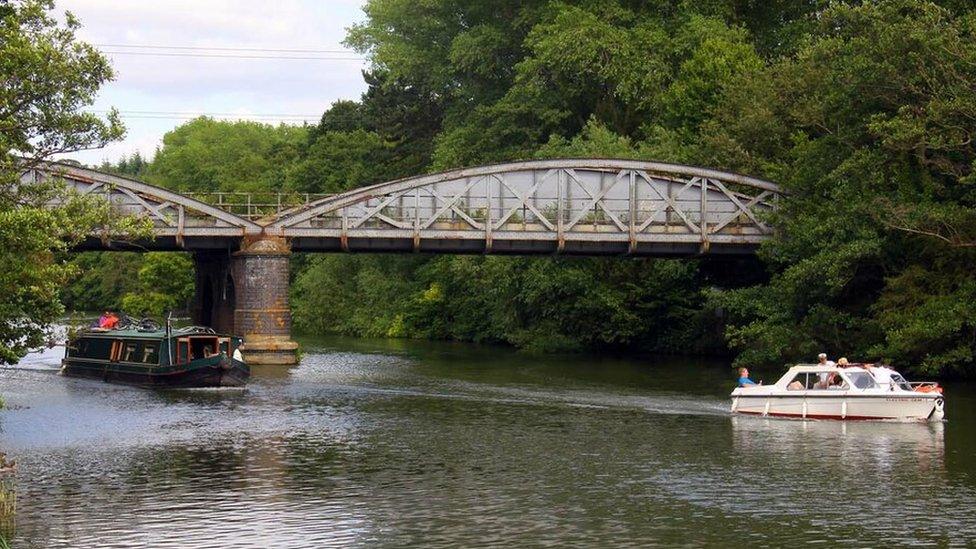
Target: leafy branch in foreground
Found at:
x=46, y=78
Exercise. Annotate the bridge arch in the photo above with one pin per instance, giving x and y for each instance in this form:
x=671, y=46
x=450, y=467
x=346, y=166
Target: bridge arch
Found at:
x=179, y=222
x=579, y=206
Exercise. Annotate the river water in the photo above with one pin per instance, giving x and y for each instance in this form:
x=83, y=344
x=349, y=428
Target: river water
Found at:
x=438, y=445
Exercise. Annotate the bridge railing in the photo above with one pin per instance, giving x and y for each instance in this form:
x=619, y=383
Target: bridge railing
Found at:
x=256, y=205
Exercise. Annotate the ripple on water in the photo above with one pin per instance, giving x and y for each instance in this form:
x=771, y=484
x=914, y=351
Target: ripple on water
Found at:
x=355, y=448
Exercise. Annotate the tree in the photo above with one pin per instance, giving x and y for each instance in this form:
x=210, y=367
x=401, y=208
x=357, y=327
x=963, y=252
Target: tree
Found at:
x=47, y=78
x=134, y=166
x=869, y=127
x=206, y=155
x=165, y=284
x=101, y=280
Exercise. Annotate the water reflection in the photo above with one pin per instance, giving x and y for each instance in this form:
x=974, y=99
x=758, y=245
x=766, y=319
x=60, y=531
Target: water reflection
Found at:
x=883, y=447
x=455, y=446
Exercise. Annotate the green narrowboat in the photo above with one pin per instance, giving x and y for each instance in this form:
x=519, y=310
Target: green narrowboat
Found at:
x=188, y=357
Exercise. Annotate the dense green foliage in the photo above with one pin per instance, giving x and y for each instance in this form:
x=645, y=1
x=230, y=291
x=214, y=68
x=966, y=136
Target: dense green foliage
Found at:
x=870, y=127
x=208, y=155
x=863, y=111
x=102, y=279
x=537, y=304
x=47, y=76
x=165, y=283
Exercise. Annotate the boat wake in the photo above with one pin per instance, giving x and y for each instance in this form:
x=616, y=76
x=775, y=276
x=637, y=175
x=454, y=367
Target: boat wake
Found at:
x=662, y=403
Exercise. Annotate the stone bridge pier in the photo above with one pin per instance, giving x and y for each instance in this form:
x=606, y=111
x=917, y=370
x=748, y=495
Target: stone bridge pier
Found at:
x=246, y=293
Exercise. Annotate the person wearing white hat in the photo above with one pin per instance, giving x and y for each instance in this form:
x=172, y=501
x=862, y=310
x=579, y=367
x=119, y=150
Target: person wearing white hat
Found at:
x=822, y=361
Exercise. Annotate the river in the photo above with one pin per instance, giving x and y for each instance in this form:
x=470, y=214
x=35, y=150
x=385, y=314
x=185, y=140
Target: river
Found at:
x=379, y=443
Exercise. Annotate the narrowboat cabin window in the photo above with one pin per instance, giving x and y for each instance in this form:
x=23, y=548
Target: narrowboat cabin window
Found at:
x=150, y=353
x=99, y=349
x=130, y=353
x=182, y=351
x=203, y=347
x=225, y=346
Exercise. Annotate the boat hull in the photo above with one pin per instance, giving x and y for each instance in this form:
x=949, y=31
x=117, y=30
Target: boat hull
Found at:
x=886, y=406
x=216, y=371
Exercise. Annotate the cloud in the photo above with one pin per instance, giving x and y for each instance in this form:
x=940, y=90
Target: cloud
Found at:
x=192, y=84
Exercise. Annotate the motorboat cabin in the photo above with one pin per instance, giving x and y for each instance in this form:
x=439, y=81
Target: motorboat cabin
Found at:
x=830, y=392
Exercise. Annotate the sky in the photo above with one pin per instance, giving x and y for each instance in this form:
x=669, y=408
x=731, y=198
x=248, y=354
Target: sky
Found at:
x=154, y=91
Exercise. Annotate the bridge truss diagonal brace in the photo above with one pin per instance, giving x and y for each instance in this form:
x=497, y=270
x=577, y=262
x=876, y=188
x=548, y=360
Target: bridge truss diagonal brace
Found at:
x=523, y=202
x=375, y=212
x=154, y=211
x=668, y=201
x=452, y=205
x=746, y=209
x=596, y=199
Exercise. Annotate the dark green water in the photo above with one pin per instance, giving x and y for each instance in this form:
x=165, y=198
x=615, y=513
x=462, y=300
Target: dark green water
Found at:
x=435, y=445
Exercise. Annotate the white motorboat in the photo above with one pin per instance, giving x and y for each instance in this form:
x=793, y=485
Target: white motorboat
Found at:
x=829, y=392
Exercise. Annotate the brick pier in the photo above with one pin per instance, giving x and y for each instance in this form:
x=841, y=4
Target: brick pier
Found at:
x=246, y=293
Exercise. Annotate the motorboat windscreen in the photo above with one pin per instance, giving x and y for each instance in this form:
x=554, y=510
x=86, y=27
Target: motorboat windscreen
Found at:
x=899, y=381
x=862, y=380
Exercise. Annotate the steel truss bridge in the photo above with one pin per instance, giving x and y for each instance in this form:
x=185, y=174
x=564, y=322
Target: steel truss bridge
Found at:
x=570, y=206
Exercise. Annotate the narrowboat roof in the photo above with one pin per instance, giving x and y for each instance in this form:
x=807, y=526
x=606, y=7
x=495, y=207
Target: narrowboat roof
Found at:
x=127, y=334
x=149, y=334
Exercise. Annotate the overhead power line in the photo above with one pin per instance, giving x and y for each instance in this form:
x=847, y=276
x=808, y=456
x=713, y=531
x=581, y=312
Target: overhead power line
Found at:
x=243, y=117
x=221, y=52
x=182, y=115
x=204, y=113
x=232, y=56
x=238, y=117
x=218, y=48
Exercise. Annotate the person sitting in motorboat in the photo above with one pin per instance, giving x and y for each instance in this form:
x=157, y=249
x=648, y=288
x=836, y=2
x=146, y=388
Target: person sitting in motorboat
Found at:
x=834, y=381
x=744, y=380
x=842, y=362
x=827, y=380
